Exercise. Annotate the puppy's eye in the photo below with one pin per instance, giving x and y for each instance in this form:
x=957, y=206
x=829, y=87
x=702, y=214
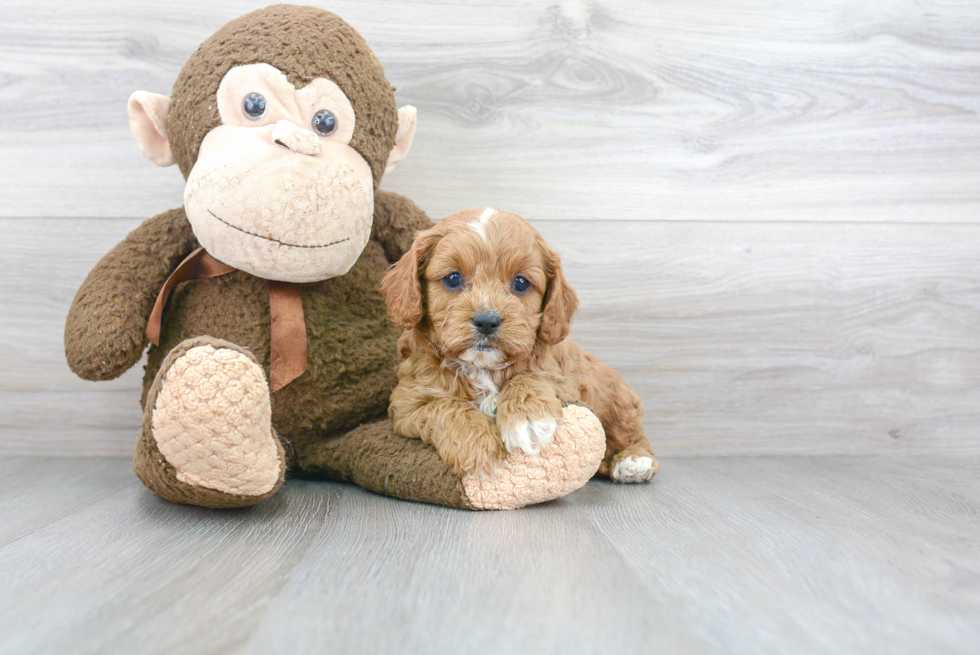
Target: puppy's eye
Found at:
x=521, y=284
x=453, y=281
x=254, y=106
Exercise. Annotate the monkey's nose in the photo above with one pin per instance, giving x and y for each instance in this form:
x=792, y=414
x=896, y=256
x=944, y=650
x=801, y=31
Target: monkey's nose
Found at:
x=289, y=135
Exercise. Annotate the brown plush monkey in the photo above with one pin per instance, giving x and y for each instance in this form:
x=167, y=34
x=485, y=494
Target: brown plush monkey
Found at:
x=283, y=124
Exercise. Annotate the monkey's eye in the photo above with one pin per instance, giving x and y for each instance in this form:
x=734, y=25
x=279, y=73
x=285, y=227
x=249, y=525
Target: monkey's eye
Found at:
x=254, y=106
x=520, y=285
x=324, y=122
x=453, y=281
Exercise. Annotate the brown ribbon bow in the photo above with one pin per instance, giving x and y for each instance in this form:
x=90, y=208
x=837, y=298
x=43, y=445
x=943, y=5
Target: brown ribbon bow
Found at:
x=289, y=348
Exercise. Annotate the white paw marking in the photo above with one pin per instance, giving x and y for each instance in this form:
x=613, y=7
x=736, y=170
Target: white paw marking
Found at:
x=529, y=436
x=633, y=469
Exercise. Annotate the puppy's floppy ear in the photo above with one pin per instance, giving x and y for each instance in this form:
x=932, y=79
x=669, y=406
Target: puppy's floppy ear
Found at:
x=560, y=302
x=402, y=285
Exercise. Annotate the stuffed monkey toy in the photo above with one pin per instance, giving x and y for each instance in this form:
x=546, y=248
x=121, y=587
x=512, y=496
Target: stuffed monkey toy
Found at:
x=270, y=349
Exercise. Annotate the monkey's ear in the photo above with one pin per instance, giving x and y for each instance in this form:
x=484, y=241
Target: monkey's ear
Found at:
x=407, y=119
x=149, y=120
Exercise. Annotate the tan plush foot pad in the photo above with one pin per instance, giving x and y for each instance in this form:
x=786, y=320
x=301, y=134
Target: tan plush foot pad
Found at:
x=561, y=468
x=212, y=421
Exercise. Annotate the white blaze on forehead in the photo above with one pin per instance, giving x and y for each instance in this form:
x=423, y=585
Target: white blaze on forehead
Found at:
x=479, y=225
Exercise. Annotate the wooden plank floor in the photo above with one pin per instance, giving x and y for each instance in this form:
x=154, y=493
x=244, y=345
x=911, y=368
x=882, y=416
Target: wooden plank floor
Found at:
x=718, y=555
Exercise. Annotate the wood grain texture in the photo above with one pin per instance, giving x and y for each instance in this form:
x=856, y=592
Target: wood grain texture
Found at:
x=820, y=111
x=786, y=338
x=741, y=338
x=718, y=555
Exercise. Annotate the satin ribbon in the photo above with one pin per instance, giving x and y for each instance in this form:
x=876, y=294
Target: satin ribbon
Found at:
x=288, y=356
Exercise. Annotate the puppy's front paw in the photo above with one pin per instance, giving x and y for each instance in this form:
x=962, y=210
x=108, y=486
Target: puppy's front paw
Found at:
x=528, y=435
x=528, y=424
x=475, y=450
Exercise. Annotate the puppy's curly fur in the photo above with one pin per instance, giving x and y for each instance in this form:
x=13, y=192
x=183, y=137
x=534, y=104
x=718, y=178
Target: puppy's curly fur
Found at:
x=486, y=311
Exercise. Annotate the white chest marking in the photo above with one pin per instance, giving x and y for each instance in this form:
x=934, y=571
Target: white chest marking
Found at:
x=486, y=389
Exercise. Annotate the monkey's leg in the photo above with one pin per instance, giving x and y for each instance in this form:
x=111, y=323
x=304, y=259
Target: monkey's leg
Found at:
x=376, y=459
x=373, y=457
x=207, y=436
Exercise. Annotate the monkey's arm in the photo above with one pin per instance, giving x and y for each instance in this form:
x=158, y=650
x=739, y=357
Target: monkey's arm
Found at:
x=104, y=333
x=396, y=221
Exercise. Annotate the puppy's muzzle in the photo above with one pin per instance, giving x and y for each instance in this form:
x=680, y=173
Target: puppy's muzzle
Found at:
x=486, y=323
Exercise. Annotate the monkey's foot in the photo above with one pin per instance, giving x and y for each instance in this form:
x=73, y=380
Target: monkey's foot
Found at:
x=559, y=469
x=207, y=436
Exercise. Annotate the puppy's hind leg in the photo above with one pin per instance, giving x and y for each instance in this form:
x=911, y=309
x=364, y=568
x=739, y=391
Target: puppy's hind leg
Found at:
x=635, y=464
x=629, y=458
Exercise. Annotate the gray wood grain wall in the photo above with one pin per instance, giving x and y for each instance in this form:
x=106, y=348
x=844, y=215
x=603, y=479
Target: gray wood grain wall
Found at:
x=771, y=210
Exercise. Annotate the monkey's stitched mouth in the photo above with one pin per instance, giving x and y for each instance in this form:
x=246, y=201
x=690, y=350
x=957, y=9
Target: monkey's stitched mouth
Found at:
x=281, y=243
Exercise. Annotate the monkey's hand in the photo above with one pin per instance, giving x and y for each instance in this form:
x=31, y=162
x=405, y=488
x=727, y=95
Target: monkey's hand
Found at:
x=104, y=333
x=396, y=222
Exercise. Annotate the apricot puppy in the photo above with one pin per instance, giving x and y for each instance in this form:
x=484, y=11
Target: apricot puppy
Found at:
x=487, y=365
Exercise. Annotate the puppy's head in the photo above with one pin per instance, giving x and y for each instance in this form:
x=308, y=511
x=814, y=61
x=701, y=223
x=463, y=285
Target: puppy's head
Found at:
x=485, y=287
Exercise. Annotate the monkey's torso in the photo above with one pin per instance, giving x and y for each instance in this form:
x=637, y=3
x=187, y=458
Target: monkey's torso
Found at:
x=352, y=360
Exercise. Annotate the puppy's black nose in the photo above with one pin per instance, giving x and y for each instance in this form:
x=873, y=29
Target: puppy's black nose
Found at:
x=487, y=324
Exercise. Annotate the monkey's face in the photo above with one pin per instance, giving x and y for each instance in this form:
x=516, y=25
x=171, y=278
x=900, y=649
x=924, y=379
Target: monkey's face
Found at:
x=277, y=191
